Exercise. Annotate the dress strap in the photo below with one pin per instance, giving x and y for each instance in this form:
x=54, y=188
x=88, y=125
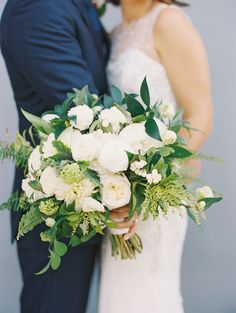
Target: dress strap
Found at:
x=154, y=13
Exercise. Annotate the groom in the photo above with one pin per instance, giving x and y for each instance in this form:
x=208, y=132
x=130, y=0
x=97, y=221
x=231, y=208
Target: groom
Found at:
x=51, y=46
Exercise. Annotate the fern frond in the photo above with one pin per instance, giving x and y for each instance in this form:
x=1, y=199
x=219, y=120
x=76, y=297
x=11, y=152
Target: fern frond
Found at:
x=17, y=152
x=29, y=221
x=13, y=203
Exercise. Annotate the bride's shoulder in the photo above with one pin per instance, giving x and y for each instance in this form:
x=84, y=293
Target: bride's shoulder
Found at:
x=173, y=25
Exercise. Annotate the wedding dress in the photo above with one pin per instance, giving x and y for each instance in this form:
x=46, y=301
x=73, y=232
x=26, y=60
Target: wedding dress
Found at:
x=151, y=282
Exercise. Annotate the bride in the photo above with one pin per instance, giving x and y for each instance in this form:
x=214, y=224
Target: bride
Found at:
x=156, y=40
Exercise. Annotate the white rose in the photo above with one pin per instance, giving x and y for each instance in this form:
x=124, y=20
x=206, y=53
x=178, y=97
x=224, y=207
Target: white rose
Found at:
x=49, y=117
x=169, y=137
x=48, y=148
x=113, y=117
x=50, y=222
x=67, y=135
x=29, y=191
x=84, y=116
x=49, y=180
x=134, y=134
x=113, y=156
x=204, y=192
x=35, y=160
x=84, y=147
x=167, y=111
x=90, y=205
x=116, y=191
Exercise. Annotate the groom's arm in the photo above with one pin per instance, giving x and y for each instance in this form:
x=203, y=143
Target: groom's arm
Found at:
x=49, y=53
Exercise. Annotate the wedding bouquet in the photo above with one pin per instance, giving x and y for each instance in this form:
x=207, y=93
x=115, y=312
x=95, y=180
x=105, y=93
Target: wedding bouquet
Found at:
x=94, y=155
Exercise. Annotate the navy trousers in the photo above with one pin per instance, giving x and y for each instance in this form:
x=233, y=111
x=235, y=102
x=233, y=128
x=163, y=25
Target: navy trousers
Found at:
x=62, y=291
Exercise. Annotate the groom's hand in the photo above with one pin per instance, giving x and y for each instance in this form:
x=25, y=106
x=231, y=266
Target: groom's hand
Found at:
x=123, y=214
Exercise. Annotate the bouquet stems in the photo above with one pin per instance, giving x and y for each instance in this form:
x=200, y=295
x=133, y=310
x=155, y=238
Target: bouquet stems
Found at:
x=126, y=249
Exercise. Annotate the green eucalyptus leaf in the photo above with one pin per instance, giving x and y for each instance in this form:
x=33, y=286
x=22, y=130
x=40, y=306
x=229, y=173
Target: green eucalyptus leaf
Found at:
x=60, y=248
x=144, y=92
x=134, y=106
x=45, y=269
x=107, y=102
x=87, y=237
x=116, y=94
x=75, y=241
x=38, y=123
x=210, y=201
x=152, y=129
x=139, y=119
x=55, y=260
x=35, y=184
x=181, y=153
x=166, y=151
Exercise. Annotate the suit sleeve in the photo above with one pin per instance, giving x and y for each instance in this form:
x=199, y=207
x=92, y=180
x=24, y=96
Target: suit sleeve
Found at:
x=50, y=56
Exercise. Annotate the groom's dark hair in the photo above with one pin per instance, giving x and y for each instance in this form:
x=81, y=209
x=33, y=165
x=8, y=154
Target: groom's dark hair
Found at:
x=179, y=3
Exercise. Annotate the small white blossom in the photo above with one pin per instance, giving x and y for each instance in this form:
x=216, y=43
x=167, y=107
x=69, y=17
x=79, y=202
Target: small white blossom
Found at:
x=154, y=177
x=167, y=111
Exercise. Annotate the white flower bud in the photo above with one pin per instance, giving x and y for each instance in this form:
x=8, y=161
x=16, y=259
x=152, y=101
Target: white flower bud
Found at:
x=50, y=222
x=204, y=192
x=169, y=137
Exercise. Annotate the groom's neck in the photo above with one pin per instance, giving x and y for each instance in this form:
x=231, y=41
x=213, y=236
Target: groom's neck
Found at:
x=134, y=9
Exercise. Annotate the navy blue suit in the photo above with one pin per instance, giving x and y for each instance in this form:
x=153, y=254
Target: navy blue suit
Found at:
x=51, y=46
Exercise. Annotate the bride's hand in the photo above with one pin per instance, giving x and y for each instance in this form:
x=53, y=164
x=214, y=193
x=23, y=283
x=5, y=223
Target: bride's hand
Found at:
x=123, y=214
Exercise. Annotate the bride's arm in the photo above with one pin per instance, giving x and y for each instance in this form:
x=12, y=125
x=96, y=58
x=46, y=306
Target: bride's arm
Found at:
x=183, y=55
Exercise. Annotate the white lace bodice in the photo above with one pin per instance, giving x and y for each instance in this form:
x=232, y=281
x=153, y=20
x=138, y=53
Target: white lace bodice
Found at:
x=133, y=57
x=151, y=283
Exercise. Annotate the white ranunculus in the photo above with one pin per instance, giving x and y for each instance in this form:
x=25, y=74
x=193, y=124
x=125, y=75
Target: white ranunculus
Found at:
x=167, y=110
x=67, y=136
x=113, y=117
x=49, y=117
x=204, y=192
x=84, y=147
x=35, y=160
x=48, y=148
x=90, y=205
x=49, y=180
x=113, y=156
x=169, y=137
x=116, y=191
x=84, y=116
x=29, y=191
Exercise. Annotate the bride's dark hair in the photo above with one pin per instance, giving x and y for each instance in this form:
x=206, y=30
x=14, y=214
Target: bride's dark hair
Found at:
x=180, y=3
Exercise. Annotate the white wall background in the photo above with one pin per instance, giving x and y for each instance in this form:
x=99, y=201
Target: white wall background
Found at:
x=209, y=276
